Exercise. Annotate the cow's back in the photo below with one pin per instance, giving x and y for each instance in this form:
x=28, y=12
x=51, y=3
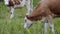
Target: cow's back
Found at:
x=55, y=6
x=14, y=2
x=45, y=8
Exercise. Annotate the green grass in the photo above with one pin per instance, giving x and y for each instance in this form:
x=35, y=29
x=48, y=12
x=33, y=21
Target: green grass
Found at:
x=15, y=25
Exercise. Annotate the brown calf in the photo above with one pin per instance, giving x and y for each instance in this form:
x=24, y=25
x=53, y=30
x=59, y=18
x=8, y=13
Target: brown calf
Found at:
x=44, y=11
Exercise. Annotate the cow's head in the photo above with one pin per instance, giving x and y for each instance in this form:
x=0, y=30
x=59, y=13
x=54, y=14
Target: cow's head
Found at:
x=27, y=23
x=6, y=2
x=28, y=20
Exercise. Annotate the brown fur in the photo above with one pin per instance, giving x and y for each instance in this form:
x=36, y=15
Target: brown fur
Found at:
x=11, y=3
x=45, y=8
x=17, y=2
x=14, y=2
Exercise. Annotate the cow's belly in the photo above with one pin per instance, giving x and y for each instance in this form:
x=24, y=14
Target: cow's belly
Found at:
x=15, y=6
x=56, y=11
x=55, y=6
x=20, y=5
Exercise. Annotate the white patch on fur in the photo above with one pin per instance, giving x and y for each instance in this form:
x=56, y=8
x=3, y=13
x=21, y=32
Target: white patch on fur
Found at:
x=51, y=24
x=12, y=13
x=43, y=19
x=23, y=3
x=27, y=23
x=6, y=2
x=52, y=27
x=46, y=28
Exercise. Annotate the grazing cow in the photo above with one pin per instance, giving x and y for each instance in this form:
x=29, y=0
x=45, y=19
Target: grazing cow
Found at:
x=17, y=3
x=44, y=11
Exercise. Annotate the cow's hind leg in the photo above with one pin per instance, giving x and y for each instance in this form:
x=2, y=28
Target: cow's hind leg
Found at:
x=52, y=28
x=28, y=5
x=12, y=12
x=51, y=24
x=22, y=3
x=48, y=21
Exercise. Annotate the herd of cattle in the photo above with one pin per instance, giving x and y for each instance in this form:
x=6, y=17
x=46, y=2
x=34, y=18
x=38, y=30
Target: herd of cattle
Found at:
x=44, y=11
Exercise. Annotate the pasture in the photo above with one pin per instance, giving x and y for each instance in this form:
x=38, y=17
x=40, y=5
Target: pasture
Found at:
x=15, y=25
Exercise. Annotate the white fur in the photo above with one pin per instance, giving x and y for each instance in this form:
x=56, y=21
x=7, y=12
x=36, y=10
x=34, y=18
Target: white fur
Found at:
x=48, y=21
x=23, y=3
x=43, y=19
x=27, y=23
x=46, y=28
x=51, y=24
x=6, y=2
x=12, y=12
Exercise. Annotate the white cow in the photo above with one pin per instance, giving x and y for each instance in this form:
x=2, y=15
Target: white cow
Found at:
x=12, y=4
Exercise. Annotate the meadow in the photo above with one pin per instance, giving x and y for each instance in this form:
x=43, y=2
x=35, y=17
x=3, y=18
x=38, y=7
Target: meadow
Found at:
x=15, y=25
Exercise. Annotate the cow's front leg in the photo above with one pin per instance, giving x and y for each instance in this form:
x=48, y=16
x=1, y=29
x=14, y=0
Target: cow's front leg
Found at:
x=44, y=19
x=22, y=3
x=45, y=28
x=12, y=12
x=28, y=5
